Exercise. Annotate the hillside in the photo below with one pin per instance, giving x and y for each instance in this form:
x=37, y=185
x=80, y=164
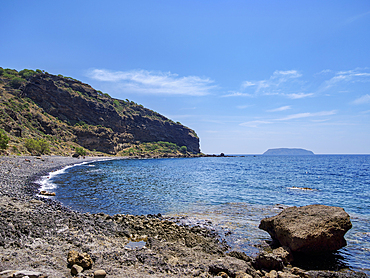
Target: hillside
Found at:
x=287, y=151
x=69, y=115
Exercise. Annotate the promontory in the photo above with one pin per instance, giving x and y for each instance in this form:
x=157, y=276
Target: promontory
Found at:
x=45, y=113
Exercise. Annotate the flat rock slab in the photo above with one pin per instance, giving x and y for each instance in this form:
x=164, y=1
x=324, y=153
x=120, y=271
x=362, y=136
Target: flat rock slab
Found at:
x=309, y=229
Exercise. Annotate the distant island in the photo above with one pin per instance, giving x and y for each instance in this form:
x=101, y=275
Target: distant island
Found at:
x=287, y=151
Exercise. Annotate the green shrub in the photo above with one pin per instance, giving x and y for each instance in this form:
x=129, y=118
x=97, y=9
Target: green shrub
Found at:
x=1, y=71
x=11, y=71
x=4, y=140
x=27, y=73
x=16, y=82
x=37, y=147
x=7, y=75
x=82, y=124
x=183, y=149
x=81, y=151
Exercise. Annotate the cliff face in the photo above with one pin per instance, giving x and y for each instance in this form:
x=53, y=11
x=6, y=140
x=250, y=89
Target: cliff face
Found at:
x=95, y=120
x=123, y=121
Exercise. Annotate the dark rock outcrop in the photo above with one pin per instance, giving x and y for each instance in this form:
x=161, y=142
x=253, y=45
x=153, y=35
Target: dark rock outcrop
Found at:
x=309, y=229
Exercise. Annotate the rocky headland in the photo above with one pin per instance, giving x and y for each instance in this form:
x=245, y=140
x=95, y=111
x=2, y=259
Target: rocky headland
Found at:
x=42, y=113
x=40, y=237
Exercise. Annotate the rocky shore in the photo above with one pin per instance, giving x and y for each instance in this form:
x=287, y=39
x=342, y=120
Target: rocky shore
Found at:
x=41, y=238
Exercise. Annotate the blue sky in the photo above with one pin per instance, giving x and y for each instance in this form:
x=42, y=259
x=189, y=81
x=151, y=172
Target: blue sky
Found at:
x=245, y=75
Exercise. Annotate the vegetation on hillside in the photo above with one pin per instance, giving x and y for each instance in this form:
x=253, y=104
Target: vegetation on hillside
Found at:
x=159, y=148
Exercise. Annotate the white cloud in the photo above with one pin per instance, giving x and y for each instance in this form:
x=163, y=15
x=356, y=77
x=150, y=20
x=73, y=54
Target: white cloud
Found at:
x=298, y=95
x=254, y=123
x=307, y=114
x=349, y=76
x=150, y=82
x=290, y=83
x=283, y=108
x=362, y=100
x=237, y=94
x=284, y=83
x=246, y=84
x=287, y=73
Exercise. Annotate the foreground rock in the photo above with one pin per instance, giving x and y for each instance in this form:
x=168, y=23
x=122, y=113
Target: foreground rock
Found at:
x=309, y=229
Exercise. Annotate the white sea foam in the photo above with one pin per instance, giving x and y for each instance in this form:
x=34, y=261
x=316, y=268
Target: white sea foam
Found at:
x=46, y=182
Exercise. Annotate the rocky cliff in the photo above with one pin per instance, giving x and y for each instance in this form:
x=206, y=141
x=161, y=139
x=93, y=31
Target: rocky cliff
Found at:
x=76, y=112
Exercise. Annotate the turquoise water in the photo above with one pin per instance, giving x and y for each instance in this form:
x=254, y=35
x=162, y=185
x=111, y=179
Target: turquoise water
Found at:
x=234, y=193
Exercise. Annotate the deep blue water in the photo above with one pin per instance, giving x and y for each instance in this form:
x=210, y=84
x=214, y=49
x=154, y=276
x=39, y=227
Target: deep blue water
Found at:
x=235, y=193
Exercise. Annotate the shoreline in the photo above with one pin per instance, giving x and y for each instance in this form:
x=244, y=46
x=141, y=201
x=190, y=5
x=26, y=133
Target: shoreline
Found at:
x=39, y=232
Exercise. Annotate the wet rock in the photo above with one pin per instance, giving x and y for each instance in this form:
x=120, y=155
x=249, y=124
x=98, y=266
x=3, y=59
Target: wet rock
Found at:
x=230, y=266
x=100, y=273
x=272, y=274
x=299, y=272
x=81, y=259
x=47, y=193
x=268, y=261
x=241, y=274
x=284, y=253
x=239, y=255
x=7, y=273
x=76, y=269
x=309, y=229
x=30, y=274
x=282, y=274
x=335, y=274
x=222, y=275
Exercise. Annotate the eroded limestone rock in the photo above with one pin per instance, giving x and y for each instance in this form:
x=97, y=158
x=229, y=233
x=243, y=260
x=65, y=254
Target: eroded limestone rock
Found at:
x=309, y=229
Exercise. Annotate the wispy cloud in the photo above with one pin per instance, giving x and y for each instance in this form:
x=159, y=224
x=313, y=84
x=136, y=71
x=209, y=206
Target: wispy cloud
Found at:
x=283, y=108
x=237, y=94
x=299, y=95
x=291, y=84
x=283, y=83
x=307, y=114
x=357, y=17
x=254, y=123
x=345, y=77
x=150, y=82
x=362, y=100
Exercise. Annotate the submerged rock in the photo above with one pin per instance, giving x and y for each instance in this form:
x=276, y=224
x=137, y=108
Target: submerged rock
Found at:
x=309, y=229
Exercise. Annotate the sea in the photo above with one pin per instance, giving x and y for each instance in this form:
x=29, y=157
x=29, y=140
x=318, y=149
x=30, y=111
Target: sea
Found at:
x=228, y=194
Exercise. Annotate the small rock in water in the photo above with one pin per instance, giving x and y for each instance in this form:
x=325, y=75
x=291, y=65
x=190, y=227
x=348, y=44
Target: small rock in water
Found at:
x=47, y=193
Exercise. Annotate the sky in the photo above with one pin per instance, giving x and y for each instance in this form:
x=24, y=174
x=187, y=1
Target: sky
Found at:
x=247, y=76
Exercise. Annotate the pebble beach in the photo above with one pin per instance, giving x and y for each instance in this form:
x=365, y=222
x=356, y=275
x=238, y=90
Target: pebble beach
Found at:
x=39, y=237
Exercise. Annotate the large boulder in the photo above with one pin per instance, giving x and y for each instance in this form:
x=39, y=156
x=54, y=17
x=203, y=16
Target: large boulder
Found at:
x=309, y=229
